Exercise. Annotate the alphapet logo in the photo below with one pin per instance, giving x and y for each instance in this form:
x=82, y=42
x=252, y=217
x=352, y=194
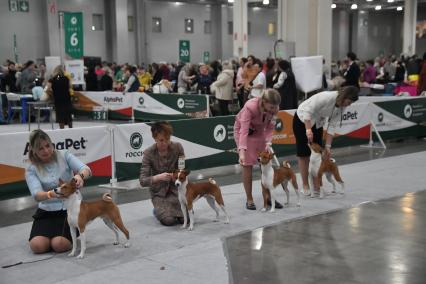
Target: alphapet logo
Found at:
x=66, y=144
x=380, y=117
x=408, y=111
x=279, y=125
x=219, y=133
x=141, y=100
x=136, y=140
x=180, y=103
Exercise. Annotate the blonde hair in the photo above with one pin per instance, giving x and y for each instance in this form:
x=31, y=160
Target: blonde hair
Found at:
x=58, y=71
x=36, y=138
x=271, y=96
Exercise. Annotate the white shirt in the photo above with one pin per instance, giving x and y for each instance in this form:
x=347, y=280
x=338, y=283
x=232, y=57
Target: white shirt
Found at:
x=260, y=79
x=318, y=108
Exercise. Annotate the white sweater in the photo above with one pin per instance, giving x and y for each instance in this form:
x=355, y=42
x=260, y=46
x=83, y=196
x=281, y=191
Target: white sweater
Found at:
x=318, y=108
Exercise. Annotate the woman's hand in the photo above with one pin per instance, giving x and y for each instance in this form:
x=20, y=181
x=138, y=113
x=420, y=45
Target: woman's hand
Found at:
x=326, y=155
x=163, y=177
x=79, y=182
x=242, y=157
x=309, y=135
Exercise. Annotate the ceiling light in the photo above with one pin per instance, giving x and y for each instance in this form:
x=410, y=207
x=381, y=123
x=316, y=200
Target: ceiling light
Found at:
x=354, y=6
x=230, y=1
x=369, y=0
x=93, y=28
x=333, y=6
x=378, y=7
x=391, y=1
x=399, y=8
x=265, y=2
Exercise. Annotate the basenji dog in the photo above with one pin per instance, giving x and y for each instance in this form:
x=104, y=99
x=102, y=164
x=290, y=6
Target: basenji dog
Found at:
x=81, y=213
x=273, y=177
x=318, y=167
x=189, y=192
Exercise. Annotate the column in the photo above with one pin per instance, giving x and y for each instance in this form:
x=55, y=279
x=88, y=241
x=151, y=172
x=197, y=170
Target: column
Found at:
x=240, y=28
x=216, y=36
x=120, y=33
x=282, y=20
x=56, y=44
x=409, y=29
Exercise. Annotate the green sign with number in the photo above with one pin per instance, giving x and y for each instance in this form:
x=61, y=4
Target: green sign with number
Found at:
x=206, y=56
x=73, y=26
x=184, y=51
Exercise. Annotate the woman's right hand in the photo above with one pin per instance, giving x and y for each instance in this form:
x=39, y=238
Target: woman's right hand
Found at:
x=163, y=177
x=242, y=157
x=309, y=135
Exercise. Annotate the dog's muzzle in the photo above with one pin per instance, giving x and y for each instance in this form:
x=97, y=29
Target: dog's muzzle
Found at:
x=57, y=191
x=178, y=183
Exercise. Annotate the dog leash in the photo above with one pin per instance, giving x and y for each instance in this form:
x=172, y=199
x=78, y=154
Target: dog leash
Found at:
x=26, y=262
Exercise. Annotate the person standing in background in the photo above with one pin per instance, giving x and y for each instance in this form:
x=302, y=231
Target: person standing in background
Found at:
x=60, y=86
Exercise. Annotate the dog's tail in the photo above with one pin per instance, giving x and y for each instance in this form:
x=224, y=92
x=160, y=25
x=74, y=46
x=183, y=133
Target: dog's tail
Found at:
x=107, y=197
x=212, y=181
x=294, y=180
x=286, y=164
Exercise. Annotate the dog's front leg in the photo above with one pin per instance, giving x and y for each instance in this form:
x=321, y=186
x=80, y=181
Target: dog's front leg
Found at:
x=185, y=214
x=273, y=200
x=83, y=244
x=191, y=219
x=74, y=240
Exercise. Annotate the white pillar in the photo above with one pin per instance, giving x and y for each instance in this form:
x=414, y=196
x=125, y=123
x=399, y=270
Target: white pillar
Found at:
x=120, y=36
x=324, y=30
x=240, y=28
x=56, y=44
x=282, y=20
x=409, y=29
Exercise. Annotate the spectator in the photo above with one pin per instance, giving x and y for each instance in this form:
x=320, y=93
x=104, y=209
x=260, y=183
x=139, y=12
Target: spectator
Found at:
x=28, y=75
x=132, y=84
x=204, y=80
x=91, y=80
x=286, y=86
x=353, y=73
x=60, y=85
x=223, y=87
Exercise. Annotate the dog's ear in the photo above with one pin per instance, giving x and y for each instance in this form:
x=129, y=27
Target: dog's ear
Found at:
x=61, y=182
x=73, y=182
x=187, y=172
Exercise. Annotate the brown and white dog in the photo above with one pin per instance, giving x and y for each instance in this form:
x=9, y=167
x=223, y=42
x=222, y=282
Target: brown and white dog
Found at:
x=189, y=192
x=80, y=214
x=272, y=178
x=318, y=167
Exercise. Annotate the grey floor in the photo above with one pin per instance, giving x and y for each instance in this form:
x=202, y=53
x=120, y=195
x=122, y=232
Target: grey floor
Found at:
x=375, y=233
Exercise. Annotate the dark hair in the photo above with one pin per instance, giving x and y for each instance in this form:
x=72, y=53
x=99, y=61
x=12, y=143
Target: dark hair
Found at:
x=370, y=61
x=348, y=92
x=270, y=63
x=163, y=127
x=258, y=62
x=284, y=65
x=351, y=55
x=131, y=69
x=424, y=56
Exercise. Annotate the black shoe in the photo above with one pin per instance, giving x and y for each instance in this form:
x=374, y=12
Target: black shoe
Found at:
x=250, y=206
x=277, y=204
x=3, y=122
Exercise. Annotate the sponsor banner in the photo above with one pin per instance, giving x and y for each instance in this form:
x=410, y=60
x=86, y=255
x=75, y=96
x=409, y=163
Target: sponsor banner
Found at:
x=169, y=106
x=91, y=145
x=117, y=103
x=73, y=27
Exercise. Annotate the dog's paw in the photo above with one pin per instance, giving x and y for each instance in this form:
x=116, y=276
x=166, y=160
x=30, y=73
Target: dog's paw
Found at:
x=272, y=211
x=72, y=253
x=298, y=205
x=216, y=220
x=183, y=226
x=191, y=228
x=263, y=209
x=227, y=221
x=80, y=256
x=127, y=244
x=115, y=243
x=286, y=204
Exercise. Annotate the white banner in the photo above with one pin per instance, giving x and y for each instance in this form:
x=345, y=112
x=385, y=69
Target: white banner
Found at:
x=51, y=63
x=145, y=103
x=353, y=118
x=76, y=69
x=90, y=144
x=307, y=72
x=114, y=101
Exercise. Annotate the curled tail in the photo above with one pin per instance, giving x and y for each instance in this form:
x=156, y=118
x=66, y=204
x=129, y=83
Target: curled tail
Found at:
x=107, y=197
x=212, y=181
x=286, y=164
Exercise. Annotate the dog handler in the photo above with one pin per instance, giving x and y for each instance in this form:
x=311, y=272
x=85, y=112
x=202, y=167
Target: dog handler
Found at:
x=50, y=230
x=253, y=133
x=309, y=120
x=158, y=164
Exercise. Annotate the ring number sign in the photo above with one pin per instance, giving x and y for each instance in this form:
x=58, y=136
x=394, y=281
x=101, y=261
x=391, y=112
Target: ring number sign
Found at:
x=184, y=51
x=73, y=26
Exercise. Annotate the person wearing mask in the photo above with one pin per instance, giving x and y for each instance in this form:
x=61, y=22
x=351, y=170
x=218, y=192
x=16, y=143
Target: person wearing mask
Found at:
x=309, y=120
x=132, y=84
x=158, y=164
x=286, y=86
x=253, y=129
x=50, y=230
x=222, y=88
x=353, y=72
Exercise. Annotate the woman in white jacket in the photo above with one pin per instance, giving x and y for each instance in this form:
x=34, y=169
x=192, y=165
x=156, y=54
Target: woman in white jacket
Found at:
x=222, y=88
x=309, y=120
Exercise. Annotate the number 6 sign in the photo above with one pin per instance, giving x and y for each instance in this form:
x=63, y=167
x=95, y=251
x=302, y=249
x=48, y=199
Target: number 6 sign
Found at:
x=73, y=26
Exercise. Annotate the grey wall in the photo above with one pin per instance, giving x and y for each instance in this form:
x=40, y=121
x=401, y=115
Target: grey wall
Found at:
x=260, y=43
x=373, y=33
x=30, y=29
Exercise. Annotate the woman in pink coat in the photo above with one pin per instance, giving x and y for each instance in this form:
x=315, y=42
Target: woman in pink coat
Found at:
x=253, y=133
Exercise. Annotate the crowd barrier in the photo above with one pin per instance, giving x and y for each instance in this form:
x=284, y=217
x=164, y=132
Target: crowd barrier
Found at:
x=143, y=106
x=115, y=152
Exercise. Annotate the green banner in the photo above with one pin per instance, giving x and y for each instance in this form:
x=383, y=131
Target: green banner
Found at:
x=184, y=51
x=73, y=26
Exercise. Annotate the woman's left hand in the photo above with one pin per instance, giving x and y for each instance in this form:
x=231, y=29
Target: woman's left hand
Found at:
x=79, y=181
x=326, y=155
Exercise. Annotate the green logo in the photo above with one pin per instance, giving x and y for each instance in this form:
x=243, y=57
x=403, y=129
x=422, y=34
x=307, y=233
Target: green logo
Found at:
x=380, y=117
x=181, y=103
x=136, y=140
x=141, y=100
x=408, y=111
x=279, y=125
x=219, y=133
